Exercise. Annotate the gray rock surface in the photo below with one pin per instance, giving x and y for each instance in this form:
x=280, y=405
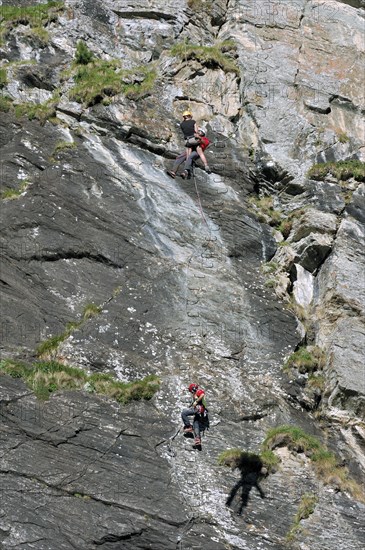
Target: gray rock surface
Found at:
x=179, y=270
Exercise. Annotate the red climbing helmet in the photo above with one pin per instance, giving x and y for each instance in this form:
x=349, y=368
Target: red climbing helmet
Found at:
x=193, y=387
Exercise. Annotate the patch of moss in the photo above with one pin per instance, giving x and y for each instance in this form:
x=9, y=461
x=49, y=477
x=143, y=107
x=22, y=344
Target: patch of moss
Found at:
x=64, y=146
x=214, y=56
x=44, y=378
x=341, y=170
x=10, y=194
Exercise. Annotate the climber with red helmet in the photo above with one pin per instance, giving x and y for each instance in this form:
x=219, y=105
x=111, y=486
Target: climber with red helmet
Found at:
x=197, y=410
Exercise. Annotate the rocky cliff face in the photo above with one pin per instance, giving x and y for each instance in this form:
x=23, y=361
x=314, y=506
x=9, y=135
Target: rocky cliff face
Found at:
x=111, y=266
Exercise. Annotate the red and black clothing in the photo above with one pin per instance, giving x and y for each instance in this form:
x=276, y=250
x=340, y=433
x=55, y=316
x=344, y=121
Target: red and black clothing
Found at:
x=196, y=411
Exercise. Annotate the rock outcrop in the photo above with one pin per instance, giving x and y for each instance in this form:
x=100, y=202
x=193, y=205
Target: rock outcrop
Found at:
x=190, y=280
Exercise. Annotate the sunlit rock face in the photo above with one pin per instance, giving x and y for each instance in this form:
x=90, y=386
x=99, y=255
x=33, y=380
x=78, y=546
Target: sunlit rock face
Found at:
x=190, y=280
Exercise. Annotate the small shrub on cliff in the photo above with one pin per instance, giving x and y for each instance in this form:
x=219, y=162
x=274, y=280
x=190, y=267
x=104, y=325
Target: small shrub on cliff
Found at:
x=83, y=54
x=208, y=55
x=3, y=77
x=342, y=170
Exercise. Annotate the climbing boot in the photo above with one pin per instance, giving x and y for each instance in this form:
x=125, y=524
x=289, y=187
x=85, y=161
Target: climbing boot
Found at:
x=171, y=173
x=198, y=441
x=185, y=174
x=188, y=429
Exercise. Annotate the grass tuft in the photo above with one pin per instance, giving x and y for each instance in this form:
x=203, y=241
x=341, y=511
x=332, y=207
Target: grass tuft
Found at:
x=214, y=56
x=306, y=360
x=35, y=17
x=342, y=170
x=234, y=458
x=292, y=437
x=100, y=79
x=48, y=348
x=5, y=103
x=39, y=111
x=306, y=508
x=10, y=194
x=63, y=146
x=44, y=378
x=325, y=462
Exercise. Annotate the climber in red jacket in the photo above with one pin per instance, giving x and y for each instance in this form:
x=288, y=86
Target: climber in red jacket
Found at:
x=197, y=410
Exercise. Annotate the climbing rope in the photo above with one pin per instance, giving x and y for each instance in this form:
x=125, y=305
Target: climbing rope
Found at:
x=199, y=201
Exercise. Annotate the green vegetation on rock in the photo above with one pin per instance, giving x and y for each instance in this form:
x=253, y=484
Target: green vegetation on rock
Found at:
x=341, y=170
x=5, y=104
x=9, y=194
x=64, y=146
x=48, y=348
x=325, y=463
x=102, y=79
x=35, y=16
x=39, y=111
x=83, y=54
x=263, y=208
x=44, y=378
x=306, y=360
x=306, y=508
x=3, y=77
x=234, y=457
x=214, y=56
x=292, y=437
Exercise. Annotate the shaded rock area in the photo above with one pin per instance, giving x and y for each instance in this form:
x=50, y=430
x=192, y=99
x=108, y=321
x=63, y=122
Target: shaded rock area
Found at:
x=188, y=280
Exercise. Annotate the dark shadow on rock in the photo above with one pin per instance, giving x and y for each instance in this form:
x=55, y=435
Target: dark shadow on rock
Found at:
x=251, y=468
